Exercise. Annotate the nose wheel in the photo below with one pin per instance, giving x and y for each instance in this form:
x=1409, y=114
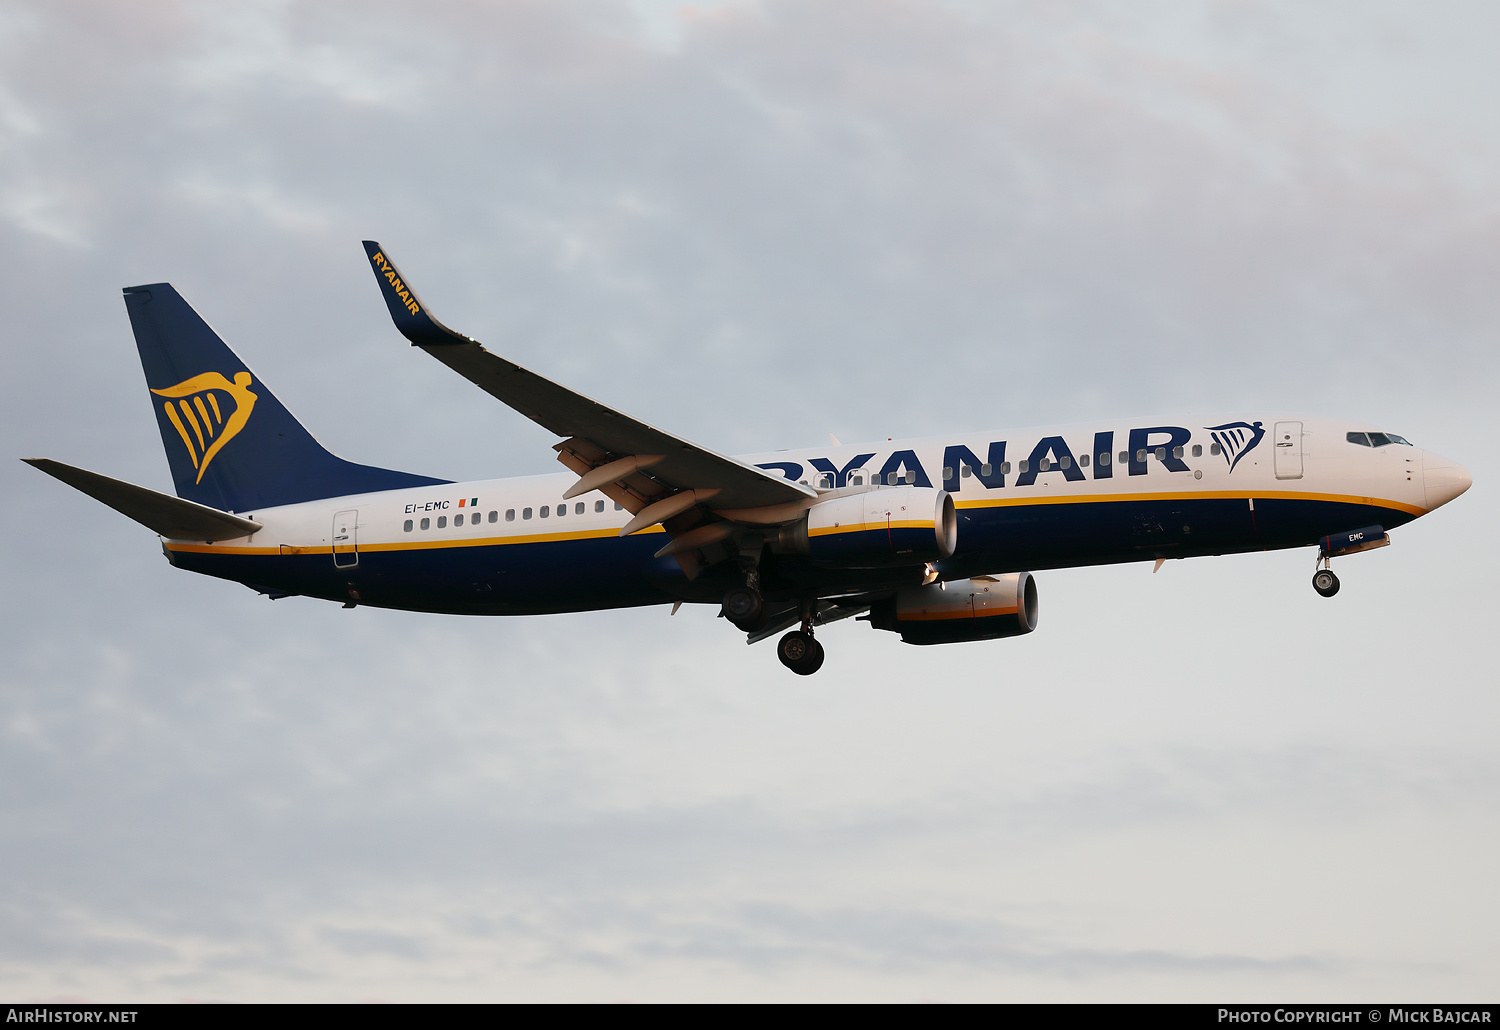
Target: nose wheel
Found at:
x=799, y=652
x=1325, y=582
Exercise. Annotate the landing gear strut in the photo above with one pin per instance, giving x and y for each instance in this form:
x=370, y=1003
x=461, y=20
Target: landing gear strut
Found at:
x=799, y=652
x=1324, y=581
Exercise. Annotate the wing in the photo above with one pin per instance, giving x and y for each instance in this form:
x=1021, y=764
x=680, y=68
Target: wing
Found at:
x=658, y=477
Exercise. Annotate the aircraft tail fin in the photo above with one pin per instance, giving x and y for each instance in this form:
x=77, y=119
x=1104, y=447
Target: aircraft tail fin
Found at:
x=230, y=443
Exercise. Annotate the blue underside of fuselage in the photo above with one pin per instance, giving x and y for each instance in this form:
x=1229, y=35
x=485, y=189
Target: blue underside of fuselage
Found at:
x=611, y=572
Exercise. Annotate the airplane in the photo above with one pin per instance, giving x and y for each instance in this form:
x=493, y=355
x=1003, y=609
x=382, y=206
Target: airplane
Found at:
x=932, y=539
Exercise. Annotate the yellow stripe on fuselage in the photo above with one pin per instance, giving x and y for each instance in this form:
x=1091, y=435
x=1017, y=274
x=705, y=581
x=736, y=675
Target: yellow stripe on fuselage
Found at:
x=868, y=527
x=414, y=545
x=962, y=613
x=1204, y=495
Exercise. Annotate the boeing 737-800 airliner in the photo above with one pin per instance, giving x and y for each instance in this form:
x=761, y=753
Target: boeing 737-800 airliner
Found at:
x=933, y=539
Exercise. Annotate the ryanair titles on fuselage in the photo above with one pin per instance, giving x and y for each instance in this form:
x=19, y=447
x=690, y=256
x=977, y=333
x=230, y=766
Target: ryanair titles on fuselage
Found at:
x=1166, y=444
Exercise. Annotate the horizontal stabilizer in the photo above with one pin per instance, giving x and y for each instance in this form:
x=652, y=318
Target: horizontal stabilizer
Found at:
x=168, y=516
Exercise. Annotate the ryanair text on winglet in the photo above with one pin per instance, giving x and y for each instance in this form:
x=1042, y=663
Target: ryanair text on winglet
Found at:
x=395, y=281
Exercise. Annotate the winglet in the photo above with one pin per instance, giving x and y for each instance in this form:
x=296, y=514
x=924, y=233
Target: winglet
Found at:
x=408, y=312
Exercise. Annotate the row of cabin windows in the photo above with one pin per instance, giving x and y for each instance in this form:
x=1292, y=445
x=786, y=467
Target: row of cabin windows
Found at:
x=458, y=520
x=475, y=518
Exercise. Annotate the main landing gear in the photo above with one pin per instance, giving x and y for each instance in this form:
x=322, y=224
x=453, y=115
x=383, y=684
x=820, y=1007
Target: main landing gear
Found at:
x=744, y=607
x=799, y=652
x=1324, y=581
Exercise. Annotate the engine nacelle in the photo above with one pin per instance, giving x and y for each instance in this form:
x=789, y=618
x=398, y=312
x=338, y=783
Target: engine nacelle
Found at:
x=982, y=608
x=900, y=525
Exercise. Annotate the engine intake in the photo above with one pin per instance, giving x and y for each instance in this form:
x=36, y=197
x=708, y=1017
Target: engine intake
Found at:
x=982, y=608
x=904, y=525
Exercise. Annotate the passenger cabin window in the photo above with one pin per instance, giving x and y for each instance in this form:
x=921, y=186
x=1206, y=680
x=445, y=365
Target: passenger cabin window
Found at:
x=857, y=479
x=1176, y=452
x=598, y=505
x=985, y=469
x=966, y=471
x=1197, y=450
x=1161, y=454
x=406, y=527
x=1215, y=450
x=578, y=508
x=544, y=510
x=562, y=509
x=1025, y=465
x=1065, y=462
x=1083, y=461
x=1140, y=455
x=510, y=515
x=426, y=523
x=947, y=472
x=525, y=513
x=1124, y=457
x=458, y=520
x=1005, y=468
x=1044, y=464
x=442, y=522
x=619, y=506
x=1104, y=458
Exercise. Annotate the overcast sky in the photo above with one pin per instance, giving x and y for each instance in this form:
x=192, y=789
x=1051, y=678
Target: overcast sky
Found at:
x=753, y=223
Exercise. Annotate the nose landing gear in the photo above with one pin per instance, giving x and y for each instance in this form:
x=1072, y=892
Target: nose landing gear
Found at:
x=1324, y=581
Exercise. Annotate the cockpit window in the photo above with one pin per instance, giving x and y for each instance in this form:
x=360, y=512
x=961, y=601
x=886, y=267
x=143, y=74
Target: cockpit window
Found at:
x=1376, y=439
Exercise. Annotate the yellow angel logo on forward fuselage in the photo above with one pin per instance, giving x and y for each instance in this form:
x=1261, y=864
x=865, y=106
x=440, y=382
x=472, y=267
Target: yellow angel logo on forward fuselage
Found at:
x=210, y=428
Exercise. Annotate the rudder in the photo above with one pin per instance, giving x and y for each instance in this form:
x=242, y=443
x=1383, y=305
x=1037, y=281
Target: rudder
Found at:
x=230, y=443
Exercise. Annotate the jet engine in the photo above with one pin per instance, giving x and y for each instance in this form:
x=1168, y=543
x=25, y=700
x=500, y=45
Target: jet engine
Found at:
x=982, y=608
x=903, y=525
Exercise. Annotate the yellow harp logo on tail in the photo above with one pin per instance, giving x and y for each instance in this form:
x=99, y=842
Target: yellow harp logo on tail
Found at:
x=204, y=421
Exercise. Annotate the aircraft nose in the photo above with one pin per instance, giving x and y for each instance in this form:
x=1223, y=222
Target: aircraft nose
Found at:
x=1443, y=479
